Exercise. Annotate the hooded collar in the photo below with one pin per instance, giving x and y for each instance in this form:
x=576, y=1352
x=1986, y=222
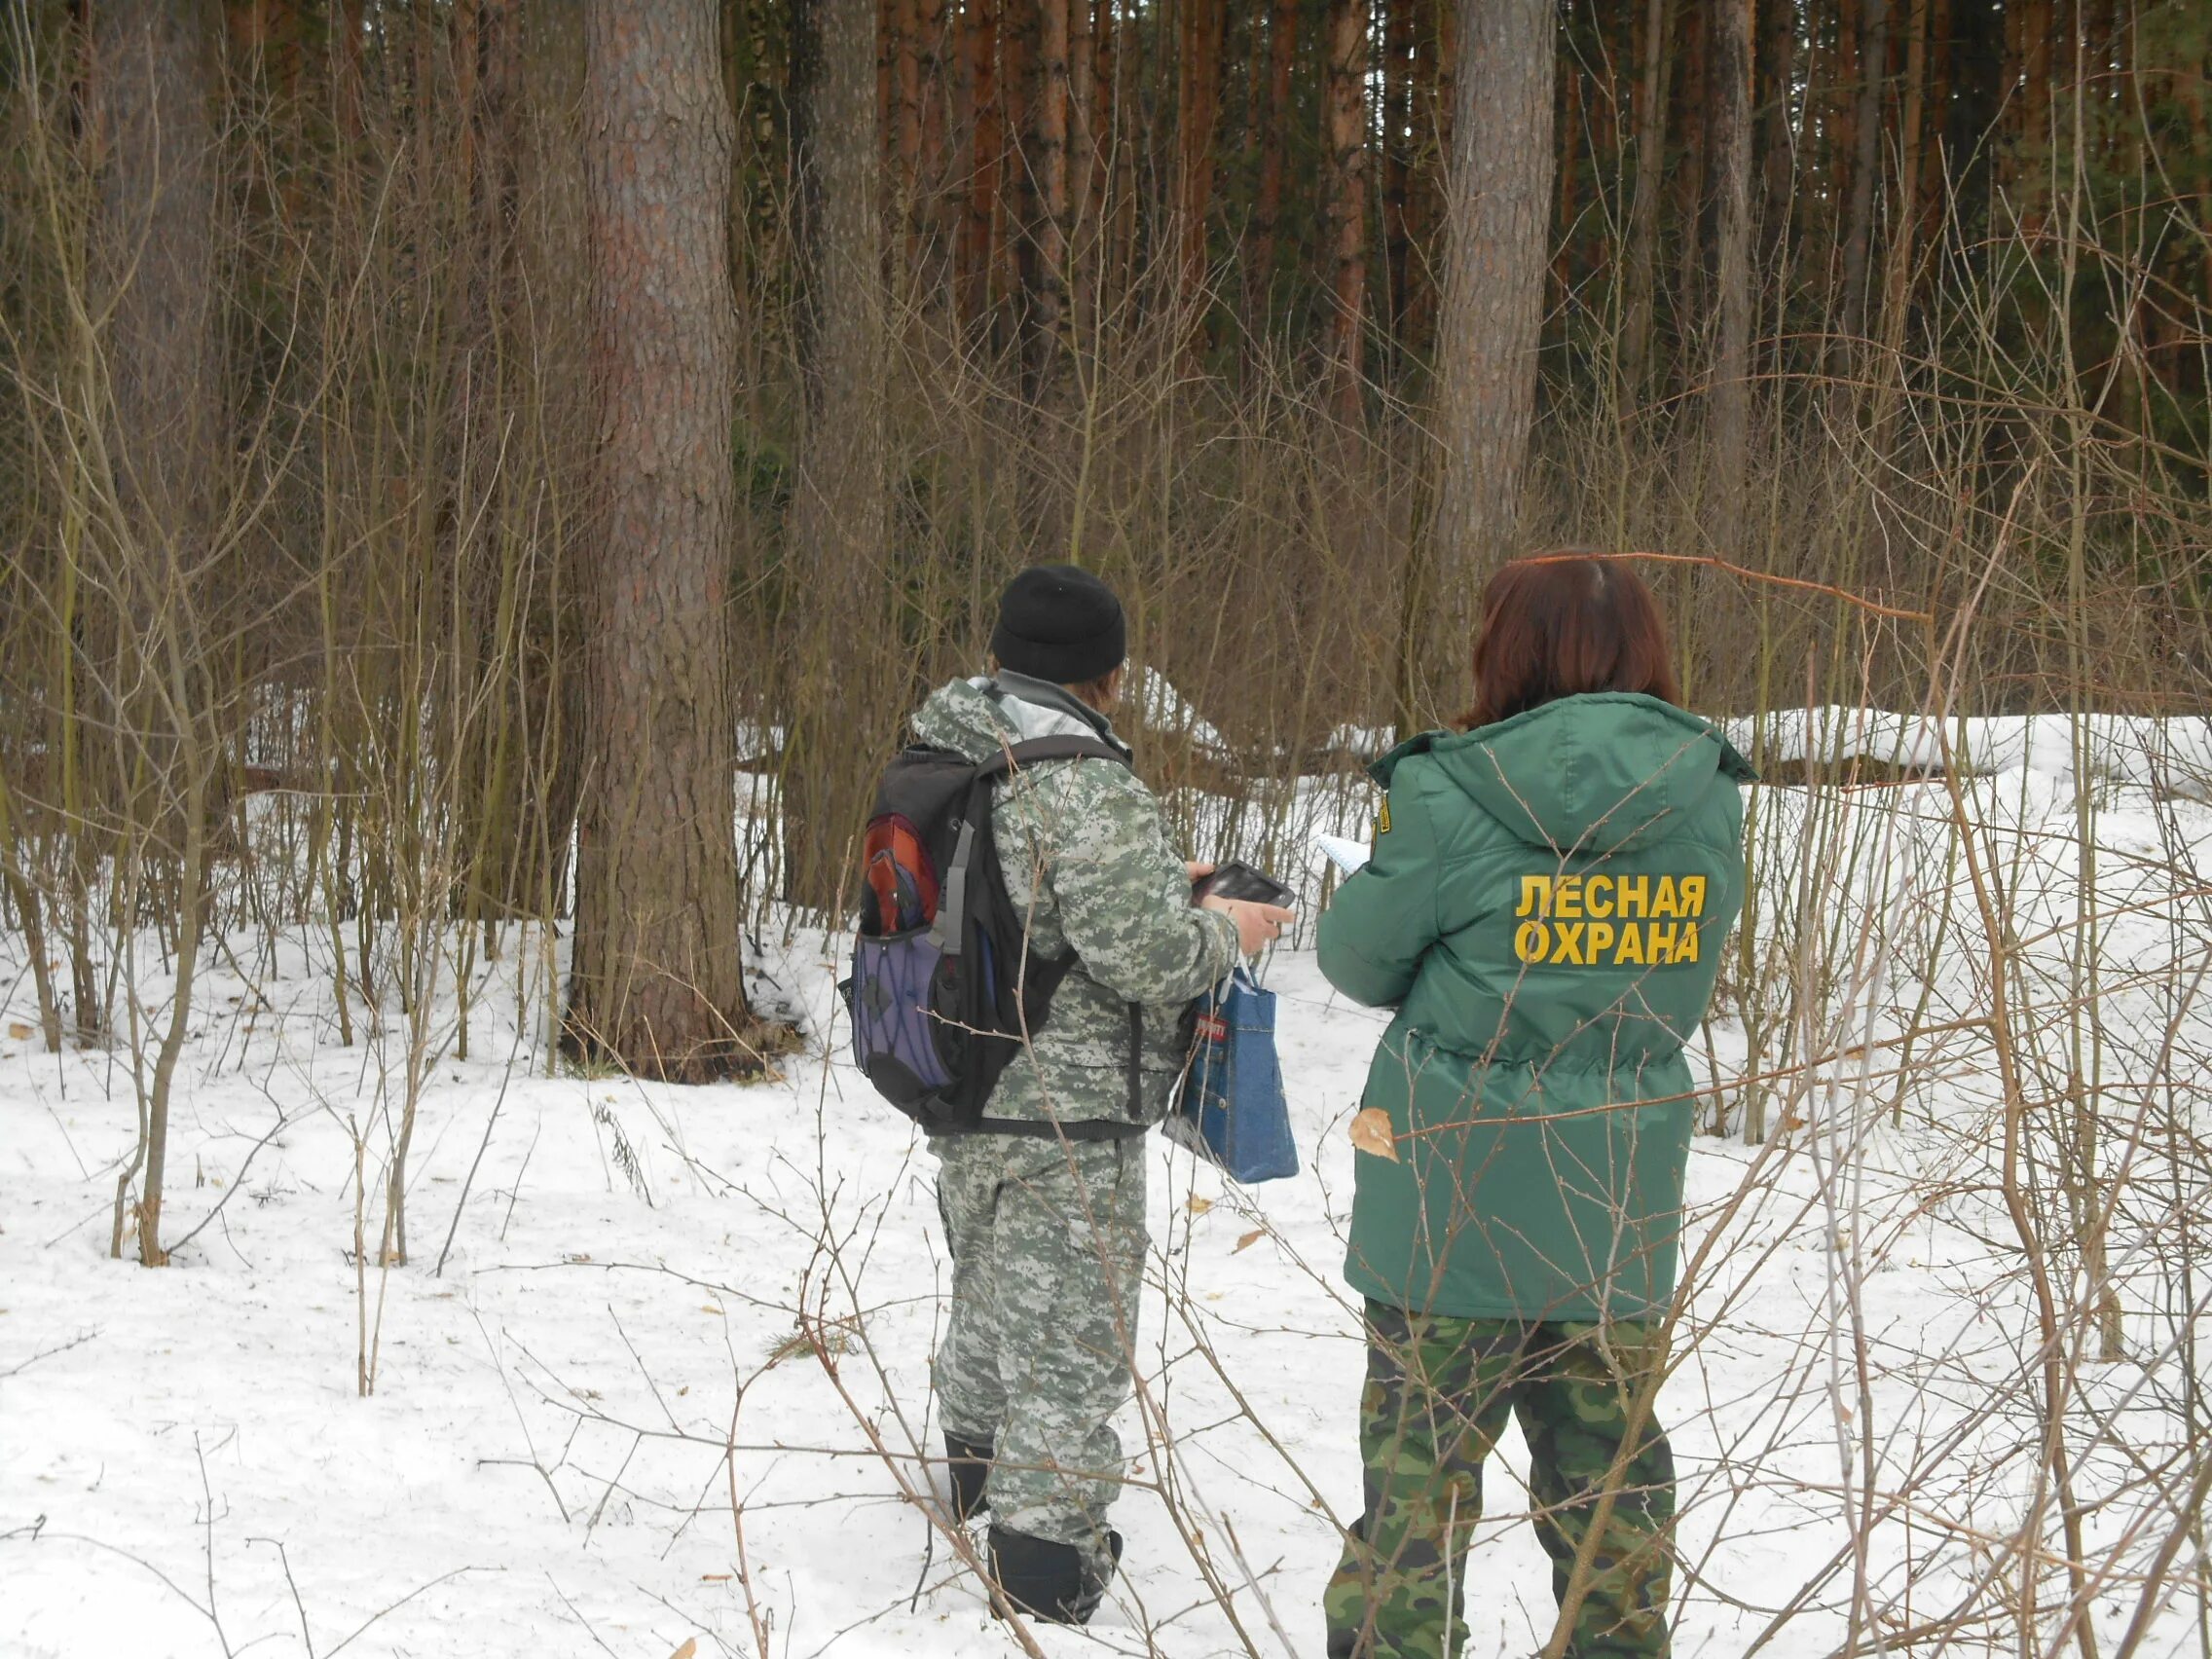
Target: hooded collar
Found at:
x=1043, y=694
x=1604, y=772
x=979, y=715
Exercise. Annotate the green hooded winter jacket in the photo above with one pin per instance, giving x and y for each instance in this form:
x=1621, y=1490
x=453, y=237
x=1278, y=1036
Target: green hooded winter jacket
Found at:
x=1545, y=909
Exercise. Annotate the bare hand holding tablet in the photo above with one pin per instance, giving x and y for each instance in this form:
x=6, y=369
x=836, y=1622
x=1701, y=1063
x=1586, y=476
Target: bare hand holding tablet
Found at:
x=1256, y=902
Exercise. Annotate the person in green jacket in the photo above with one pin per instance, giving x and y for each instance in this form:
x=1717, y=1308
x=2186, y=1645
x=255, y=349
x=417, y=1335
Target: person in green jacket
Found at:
x=1545, y=909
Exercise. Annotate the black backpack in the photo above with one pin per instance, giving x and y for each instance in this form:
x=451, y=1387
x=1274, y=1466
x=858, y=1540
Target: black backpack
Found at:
x=944, y=987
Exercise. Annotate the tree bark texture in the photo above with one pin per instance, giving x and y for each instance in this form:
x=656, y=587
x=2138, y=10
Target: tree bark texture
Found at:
x=905, y=21
x=838, y=525
x=1397, y=84
x=1732, y=348
x=1498, y=205
x=1203, y=24
x=1643, y=207
x=658, y=984
x=1866, y=173
x=1345, y=147
x=154, y=268
x=1897, y=261
x=156, y=259
x=1045, y=250
x=1691, y=171
x=1777, y=71
x=1080, y=213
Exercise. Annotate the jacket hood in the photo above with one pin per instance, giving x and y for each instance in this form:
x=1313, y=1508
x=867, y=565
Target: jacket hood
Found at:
x=977, y=718
x=1606, y=772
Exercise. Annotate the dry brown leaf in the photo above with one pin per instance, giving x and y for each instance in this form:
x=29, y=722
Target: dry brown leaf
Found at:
x=709, y=1307
x=690, y=1646
x=716, y=1577
x=1371, y=1134
x=1250, y=1238
x=1199, y=1206
x=19, y=1030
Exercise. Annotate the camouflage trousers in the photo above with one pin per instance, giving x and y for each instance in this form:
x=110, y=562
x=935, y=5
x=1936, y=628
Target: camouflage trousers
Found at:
x=1048, y=1247
x=1438, y=1393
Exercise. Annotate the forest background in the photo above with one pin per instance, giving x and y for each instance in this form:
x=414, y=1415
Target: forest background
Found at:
x=482, y=483
x=482, y=428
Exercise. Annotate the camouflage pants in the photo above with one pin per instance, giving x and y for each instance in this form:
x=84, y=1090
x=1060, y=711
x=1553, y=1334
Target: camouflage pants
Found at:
x=1437, y=1397
x=1048, y=1257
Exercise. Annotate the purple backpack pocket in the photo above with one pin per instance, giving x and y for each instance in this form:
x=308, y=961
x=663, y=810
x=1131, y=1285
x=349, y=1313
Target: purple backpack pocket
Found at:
x=895, y=1032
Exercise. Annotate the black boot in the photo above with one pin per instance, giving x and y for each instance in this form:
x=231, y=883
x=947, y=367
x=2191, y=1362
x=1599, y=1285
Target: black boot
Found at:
x=969, y=1464
x=1045, y=1580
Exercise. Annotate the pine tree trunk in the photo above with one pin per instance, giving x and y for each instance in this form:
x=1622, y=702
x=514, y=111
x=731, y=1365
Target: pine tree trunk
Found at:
x=150, y=91
x=1345, y=146
x=904, y=19
x=1017, y=181
x=1897, y=277
x=658, y=984
x=1692, y=176
x=1637, y=299
x=1570, y=120
x=840, y=727
x=1045, y=262
x=1497, y=229
x=1731, y=359
x=1865, y=171
x=1397, y=79
x=1777, y=69
x=154, y=259
x=1128, y=36
x=931, y=232
x=1199, y=110
x=1081, y=210
x=1109, y=142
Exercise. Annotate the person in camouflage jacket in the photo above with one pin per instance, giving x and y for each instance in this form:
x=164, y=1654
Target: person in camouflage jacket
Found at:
x=1047, y=1231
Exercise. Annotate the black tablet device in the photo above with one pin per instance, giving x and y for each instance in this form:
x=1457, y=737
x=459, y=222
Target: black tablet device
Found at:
x=1234, y=880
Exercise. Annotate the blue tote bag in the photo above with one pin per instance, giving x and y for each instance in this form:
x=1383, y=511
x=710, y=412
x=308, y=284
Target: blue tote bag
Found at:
x=1231, y=1110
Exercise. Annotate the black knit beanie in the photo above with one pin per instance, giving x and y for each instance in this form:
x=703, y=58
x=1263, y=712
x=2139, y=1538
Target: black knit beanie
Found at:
x=1062, y=624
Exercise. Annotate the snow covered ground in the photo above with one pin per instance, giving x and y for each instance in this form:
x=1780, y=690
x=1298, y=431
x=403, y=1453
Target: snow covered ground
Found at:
x=658, y=1299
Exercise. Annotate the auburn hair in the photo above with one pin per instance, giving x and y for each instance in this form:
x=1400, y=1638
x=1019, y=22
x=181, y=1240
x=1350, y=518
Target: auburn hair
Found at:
x=1562, y=624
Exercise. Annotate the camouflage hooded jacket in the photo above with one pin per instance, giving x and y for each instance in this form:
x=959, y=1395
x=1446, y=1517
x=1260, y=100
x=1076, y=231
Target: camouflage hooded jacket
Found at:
x=1086, y=858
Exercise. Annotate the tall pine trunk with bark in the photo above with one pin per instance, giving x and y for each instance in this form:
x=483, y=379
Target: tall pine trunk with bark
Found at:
x=1639, y=300
x=1732, y=345
x=1865, y=175
x=1497, y=236
x=1344, y=251
x=147, y=502
x=1045, y=249
x=837, y=532
x=658, y=984
x=1203, y=25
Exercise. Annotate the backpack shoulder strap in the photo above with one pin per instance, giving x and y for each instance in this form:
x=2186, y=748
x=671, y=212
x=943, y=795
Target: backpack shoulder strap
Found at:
x=952, y=911
x=1036, y=750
